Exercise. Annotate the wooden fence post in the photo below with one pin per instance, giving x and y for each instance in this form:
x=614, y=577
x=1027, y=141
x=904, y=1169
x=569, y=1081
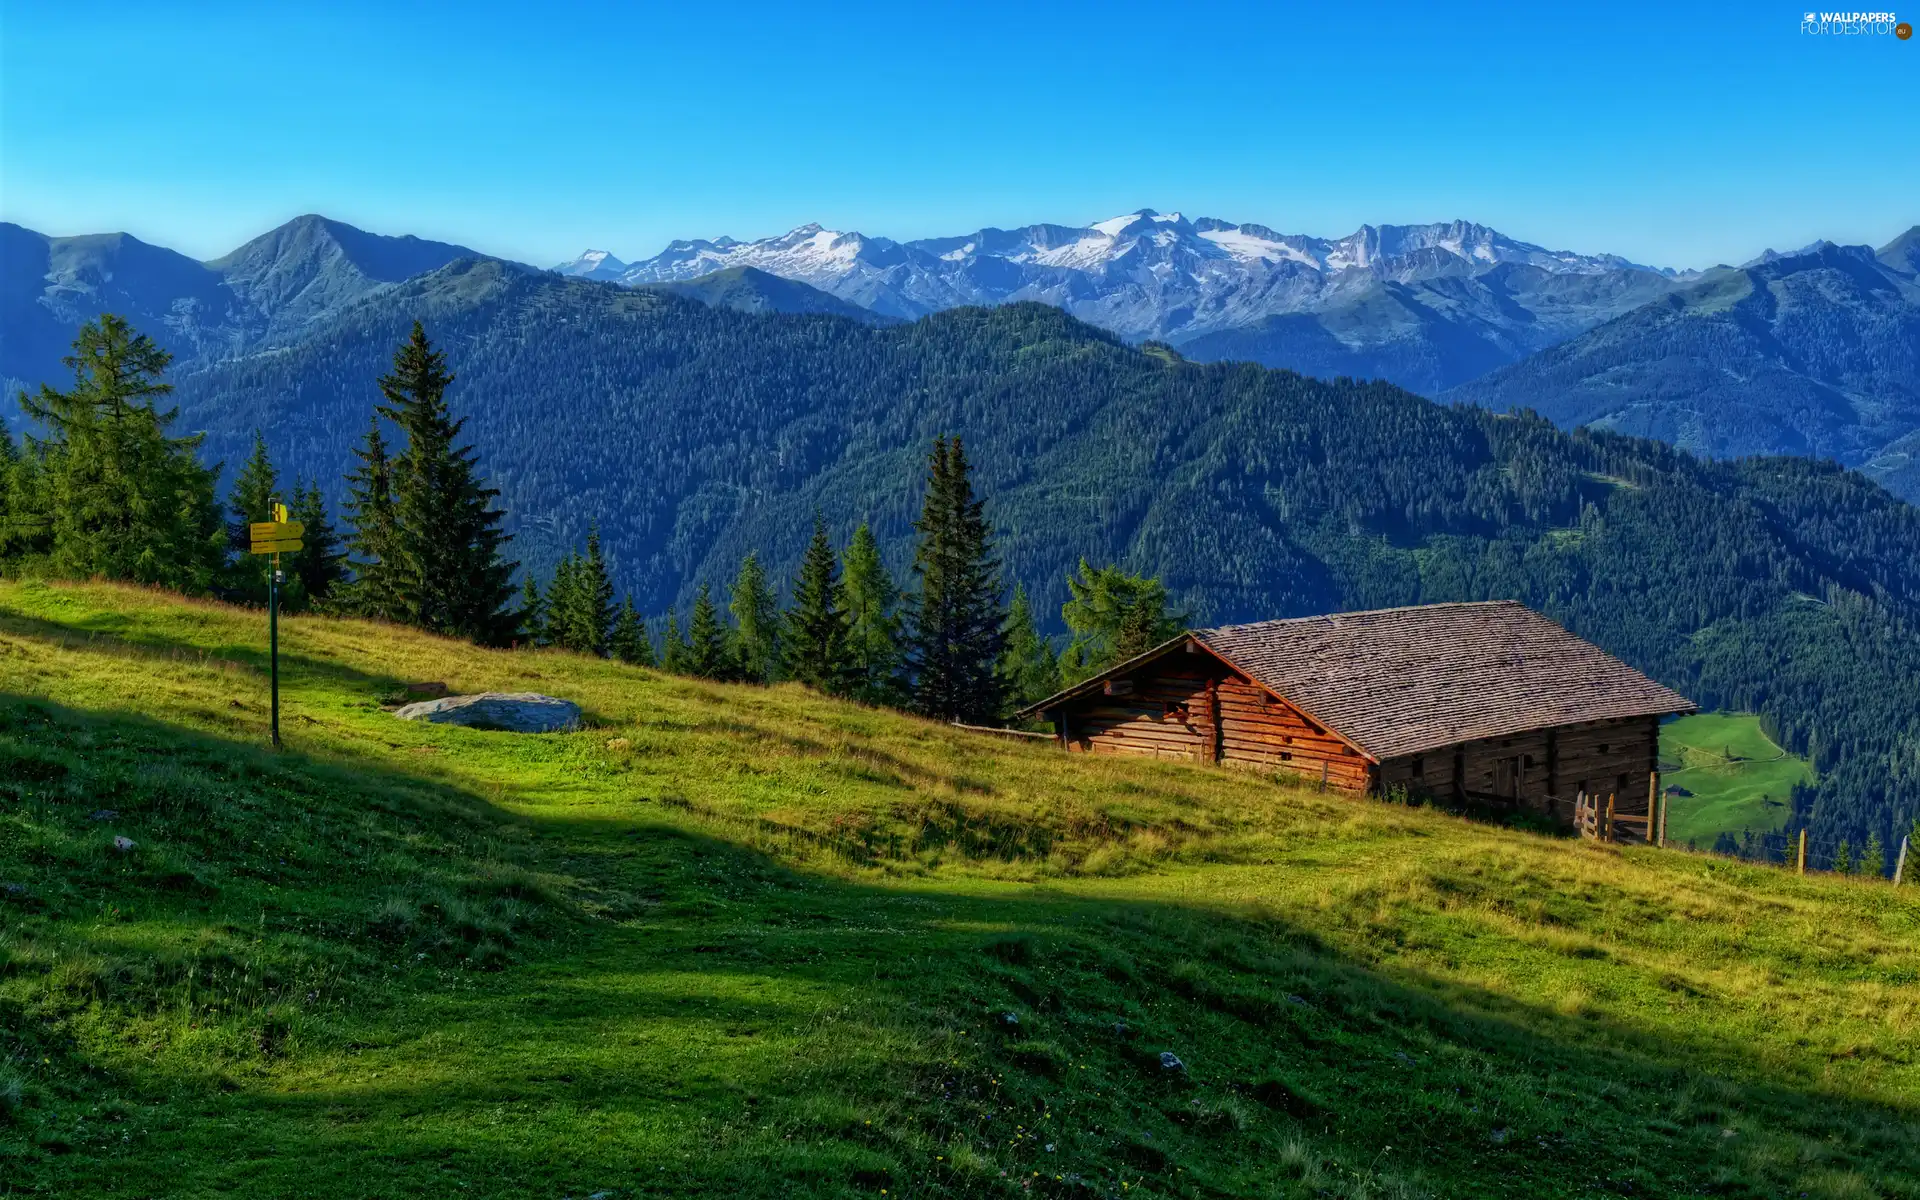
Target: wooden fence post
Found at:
x=1610, y=799
x=1801, y=868
x=1900, y=864
x=1656, y=817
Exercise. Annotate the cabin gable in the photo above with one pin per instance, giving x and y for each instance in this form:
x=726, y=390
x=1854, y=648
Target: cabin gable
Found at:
x=1188, y=704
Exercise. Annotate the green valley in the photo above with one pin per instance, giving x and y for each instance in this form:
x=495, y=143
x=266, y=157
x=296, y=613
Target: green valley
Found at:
x=1734, y=776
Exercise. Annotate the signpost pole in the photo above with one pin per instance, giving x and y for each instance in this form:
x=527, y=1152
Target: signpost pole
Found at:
x=273, y=640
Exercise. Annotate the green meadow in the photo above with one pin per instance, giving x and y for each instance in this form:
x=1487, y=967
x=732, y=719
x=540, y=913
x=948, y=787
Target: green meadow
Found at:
x=1738, y=778
x=742, y=942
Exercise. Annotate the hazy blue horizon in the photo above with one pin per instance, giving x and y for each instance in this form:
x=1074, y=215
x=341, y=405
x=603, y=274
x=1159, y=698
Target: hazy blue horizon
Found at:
x=1673, y=134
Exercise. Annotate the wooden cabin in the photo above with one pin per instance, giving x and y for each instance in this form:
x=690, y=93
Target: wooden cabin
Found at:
x=1483, y=701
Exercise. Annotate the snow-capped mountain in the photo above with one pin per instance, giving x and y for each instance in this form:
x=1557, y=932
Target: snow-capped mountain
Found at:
x=1160, y=275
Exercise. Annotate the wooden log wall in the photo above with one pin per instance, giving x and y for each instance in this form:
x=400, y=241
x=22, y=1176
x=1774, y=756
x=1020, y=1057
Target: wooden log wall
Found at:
x=1259, y=731
x=1541, y=769
x=1163, y=715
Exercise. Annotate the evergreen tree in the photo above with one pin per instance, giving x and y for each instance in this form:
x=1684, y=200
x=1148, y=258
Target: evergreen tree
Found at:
x=580, y=604
x=869, y=599
x=629, y=641
x=254, y=491
x=1843, y=858
x=708, y=651
x=533, y=612
x=816, y=643
x=1873, y=859
x=1029, y=669
x=1113, y=615
x=376, y=588
x=756, y=617
x=318, y=565
x=955, y=627
x=454, y=580
x=673, y=650
x=114, y=494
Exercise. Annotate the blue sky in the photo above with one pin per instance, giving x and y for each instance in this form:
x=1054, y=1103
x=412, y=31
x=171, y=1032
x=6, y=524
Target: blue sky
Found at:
x=1675, y=134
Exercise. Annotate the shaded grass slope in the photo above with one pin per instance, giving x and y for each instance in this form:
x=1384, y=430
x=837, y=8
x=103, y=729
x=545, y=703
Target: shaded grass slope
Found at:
x=751, y=942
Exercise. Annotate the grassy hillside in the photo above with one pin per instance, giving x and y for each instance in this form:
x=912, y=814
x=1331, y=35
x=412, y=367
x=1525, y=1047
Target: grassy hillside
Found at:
x=1738, y=777
x=752, y=942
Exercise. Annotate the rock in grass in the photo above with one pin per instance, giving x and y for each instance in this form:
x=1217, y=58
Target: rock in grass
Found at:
x=511, y=712
x=124, y=845
x=1169, y=1061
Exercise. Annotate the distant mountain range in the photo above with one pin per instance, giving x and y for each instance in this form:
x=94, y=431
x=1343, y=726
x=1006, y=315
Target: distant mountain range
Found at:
x=1811, y=353
x=268, y=289
x=1424, y=306
x=1807, y=352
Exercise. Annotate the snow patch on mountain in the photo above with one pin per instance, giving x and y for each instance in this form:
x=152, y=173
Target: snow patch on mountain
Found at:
x=1142, y=274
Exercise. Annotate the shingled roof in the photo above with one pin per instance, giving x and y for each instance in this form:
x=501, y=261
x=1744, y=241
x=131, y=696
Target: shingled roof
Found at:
x=1398, y=681
x=1401, y=680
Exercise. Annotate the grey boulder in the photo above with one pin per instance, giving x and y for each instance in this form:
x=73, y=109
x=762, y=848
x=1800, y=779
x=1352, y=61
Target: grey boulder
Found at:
x=513, y=712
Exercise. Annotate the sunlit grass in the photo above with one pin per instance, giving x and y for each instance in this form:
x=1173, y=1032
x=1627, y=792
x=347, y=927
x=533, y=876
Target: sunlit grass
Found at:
x=750, y=941
x=1736, y=777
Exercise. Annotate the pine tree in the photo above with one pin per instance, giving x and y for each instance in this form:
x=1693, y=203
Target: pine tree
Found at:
x=869, y=599
x=454, y=580
x=533, y=612
x=756, y=621
x=318, y=565
x=1113, y=615
x=581, y=606
x=1843, y=858
x=563, y=598
x=673, y=649
x=376, y=588
x=115, y=494
x=629, y=641
x=1873, y=859
x=954, y=638
x=1029, y=669
x=709, y=653
x=816, y=642
x=254, y=491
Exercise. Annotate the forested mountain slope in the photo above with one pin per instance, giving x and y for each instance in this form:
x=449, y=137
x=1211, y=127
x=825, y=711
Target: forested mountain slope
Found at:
x=1815, y=353
x=693, y=434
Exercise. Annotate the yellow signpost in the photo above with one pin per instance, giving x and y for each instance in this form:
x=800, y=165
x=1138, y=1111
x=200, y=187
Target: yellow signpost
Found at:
x=276, y=537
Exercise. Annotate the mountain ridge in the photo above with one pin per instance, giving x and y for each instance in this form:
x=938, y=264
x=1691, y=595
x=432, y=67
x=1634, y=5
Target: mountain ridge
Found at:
x=1814, y=353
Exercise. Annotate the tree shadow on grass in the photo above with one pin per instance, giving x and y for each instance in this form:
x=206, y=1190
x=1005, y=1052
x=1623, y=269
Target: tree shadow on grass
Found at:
x=477, y=1003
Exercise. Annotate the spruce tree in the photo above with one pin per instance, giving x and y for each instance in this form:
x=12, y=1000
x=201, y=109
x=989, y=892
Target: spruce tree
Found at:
x=1843, y=858
x=756, y=622
x=319, y=564
x=816, y=637
x=955, y=630
x=116, y=495
x=629, y=641
x=1029, y=669
x=254, y=490
x=563, y=603
x=582, y=602
x=1873, y=859
x=869, y=598
x=376, y=588
x=708, y=652
x=533, y=612
x=673, y=649
x=454, y=580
